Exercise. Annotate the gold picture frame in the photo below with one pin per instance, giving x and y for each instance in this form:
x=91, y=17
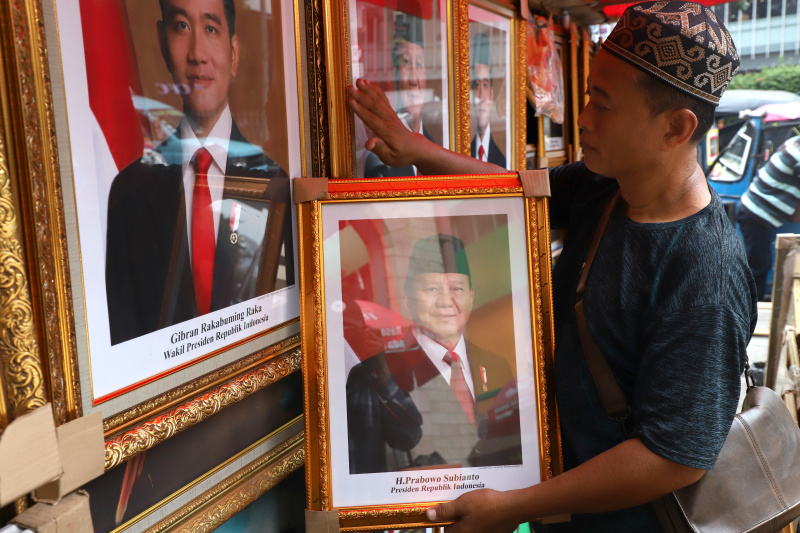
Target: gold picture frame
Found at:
x=343, y=57
x=42, y=296
x=355, y=240
x=364, y=39
x=216, y=496
x=506, y=44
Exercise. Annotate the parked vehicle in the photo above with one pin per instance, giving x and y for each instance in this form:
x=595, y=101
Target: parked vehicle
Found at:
x=748, y=137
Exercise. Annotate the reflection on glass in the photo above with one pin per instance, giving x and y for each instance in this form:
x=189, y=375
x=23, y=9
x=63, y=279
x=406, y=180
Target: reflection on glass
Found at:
x=735, y=157
x=400, y=47
x=421, y=303
x=183, y=238
x=489, y=86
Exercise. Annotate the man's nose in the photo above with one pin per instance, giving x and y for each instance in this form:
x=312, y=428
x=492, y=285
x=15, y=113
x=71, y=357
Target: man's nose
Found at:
x=197, y=49
x=445, y=299
x=584, y=119
x=417, y=74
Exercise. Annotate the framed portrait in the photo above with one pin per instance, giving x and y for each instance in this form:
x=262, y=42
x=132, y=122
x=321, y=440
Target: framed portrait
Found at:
x=139, y=494
x=497, y=85
x=426, y=323
x=181, y=178
x=404, y=46
x=105, y=89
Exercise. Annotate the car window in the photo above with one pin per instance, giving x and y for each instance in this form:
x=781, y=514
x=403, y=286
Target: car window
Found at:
x=731, y=165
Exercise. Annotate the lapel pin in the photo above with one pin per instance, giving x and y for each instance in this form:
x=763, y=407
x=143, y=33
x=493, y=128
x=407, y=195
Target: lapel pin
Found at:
x=236, y=211
x=483, y=377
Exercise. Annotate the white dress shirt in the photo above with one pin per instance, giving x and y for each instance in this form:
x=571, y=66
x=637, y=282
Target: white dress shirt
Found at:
x=217, y=144
x=483, y=141
x=436, y=353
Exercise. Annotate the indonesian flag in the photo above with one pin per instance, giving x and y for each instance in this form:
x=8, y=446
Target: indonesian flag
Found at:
x=112, y=77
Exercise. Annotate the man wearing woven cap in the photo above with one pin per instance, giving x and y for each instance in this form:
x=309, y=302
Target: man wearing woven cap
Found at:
x=409, y=82
x=483, y=146
x=441, y=371
x=670, y=301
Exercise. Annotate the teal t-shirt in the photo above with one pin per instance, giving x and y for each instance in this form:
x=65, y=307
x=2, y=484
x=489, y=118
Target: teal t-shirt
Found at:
x=672, y=306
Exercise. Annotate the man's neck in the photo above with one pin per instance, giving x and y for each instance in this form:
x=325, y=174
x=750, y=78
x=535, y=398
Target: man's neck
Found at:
x=667, y=192
x=482, y=133
x=202, y=126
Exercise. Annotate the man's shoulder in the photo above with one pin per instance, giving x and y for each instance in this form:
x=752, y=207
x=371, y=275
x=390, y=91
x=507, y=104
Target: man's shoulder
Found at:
x=246, y=159
x=485, y=357
x=143, y=177
x=705, y=264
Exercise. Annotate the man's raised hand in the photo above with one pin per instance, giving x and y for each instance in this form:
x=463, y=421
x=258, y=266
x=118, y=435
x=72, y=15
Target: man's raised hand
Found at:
x=393, y=142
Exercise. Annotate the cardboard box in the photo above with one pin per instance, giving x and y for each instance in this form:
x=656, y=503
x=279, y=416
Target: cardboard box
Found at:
x=70, y=515
x=29, y=456
x=82, y=450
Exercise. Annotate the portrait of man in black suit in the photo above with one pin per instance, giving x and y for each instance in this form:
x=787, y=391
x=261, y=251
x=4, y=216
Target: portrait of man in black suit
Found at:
x=483, y=146
x=437, y=399
x=198, y=223
x=409, y=85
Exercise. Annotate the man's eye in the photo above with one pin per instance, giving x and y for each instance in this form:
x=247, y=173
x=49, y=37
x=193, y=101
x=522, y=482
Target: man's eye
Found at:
x=475, y=85
x=211, y=29
x=181, y=25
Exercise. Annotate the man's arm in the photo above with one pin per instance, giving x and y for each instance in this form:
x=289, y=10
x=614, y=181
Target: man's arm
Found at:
x=625, y=476
x=397, y=146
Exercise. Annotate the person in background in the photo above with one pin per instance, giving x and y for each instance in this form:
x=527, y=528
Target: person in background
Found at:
x=771, y=200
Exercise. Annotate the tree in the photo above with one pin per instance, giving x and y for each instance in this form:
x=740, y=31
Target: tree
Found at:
x=784, y=78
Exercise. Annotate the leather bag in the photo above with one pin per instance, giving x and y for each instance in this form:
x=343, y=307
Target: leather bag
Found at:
x=755, y=483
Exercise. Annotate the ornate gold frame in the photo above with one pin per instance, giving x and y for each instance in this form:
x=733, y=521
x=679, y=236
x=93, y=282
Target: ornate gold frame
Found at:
x=228, y=488
x=313, y=343
x=336, y=41
x=518, y=76
x=38, y=346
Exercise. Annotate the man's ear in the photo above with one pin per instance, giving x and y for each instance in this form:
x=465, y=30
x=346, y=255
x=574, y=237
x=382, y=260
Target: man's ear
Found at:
x=234, y=55
x=682, y=124
x=162, y=43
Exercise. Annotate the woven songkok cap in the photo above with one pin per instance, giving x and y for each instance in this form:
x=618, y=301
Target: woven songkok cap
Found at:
x=681, y=43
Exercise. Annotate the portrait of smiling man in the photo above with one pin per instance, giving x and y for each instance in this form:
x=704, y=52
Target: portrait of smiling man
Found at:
x=410, y=87
x=183, y=239
x=436, y=390
x=483, y=146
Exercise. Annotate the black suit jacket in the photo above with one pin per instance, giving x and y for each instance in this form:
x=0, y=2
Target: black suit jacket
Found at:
x=494, y=156
x=149, y=283
x=384, y=413
x=375, y=168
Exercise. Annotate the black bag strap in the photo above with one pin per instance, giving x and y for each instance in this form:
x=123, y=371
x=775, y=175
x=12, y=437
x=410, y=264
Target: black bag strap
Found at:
x=611, y=395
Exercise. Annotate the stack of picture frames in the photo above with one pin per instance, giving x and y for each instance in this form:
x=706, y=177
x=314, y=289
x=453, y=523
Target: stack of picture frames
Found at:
x=216, y=341
x=399, y=274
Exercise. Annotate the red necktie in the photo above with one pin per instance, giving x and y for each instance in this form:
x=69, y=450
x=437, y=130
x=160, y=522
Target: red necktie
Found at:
x=459, y=385
x=203, y=243
x=481, y=151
